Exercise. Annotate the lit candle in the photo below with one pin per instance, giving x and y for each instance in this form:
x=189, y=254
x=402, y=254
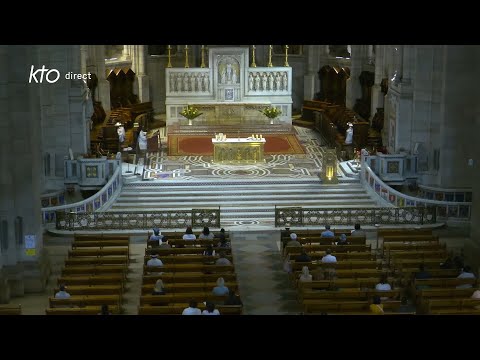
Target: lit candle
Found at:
x=186, y=47
x=169, y=47
x=203, y=46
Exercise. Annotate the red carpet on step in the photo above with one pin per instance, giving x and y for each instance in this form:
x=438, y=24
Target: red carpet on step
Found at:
x=180, y=145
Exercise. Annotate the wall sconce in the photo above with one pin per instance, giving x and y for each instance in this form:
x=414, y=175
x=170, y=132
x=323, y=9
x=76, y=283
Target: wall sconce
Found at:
x=329, y=171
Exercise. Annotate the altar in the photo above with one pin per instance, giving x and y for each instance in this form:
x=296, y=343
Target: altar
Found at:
x=238, y=150
x=229, y=91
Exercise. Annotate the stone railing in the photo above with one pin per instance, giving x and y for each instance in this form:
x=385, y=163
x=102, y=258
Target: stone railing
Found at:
x=298, y=216
x=442, y=194
x=93, y=203
x=188, y=82
x=138, y=220
x=269, y=81
x=53, y=198
x=445, y=210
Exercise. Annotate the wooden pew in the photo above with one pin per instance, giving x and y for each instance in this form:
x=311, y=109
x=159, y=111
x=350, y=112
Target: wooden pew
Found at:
x=95, y=270
x=446, y=282
x=114, y=279
x=87, y=310
x=94, y=260
x=354, y=273
x=187, y=259
x=92, y=290
x=353, y=240
x=346, y=256
x=397, y=255
x=435, y=273
x=444, y=293
x=101, y=236
x=188, y=277
x=412, y=263
x=403, y=232
x=99, y=252
x=463, y=304
x=410, y=238
x=345, y=307
x=100, y=243
x=188, y=268
x=178, y=309
x=360, y=283
x=180, y=298
x=85, y=300
x=182, y=251
x=347, y=294
x=335, y=248
x=10, y=309
x=174, y=288
x=350, y=264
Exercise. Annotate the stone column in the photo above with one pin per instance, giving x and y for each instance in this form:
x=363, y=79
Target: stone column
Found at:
x=103, y=84
x=142, y=77
x=309, y=79
x=20, y=185
x=353, y=83
x=125, y=53
x=377, y=96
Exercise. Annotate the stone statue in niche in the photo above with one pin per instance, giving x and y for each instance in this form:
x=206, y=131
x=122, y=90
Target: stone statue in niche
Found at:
x=199, y=82
x=250, y=82
x=285, y=81
x=278, y=80
x=192, y=82
x=185, y=82
x=257, y=82
x=234, y=77
x=172, y=82
x=87, y=104
x=270, y=81
x=264, y=81
x=224, y=77
x=206, y=82
x=229, y=72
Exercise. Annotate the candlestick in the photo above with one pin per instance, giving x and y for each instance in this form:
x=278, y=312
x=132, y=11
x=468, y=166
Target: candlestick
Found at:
x=253, y=57
x=186, y=57
x=286, y=56
x=202, y=65
x=270, y=47
x=169, y=64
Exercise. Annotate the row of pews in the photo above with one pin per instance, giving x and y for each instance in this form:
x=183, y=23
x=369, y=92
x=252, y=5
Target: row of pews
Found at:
x=95, y=274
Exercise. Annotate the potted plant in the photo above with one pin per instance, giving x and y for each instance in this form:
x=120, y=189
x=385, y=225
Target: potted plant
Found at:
x=190, y=113
x=271, y=113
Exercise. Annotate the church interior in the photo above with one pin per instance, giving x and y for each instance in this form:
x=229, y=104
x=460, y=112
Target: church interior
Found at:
x=239, y=180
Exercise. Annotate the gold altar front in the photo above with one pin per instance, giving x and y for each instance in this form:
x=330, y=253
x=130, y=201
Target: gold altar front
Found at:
x=238, y=151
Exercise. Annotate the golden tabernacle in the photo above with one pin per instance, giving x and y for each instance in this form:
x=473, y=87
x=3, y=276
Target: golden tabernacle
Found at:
x=238, y=150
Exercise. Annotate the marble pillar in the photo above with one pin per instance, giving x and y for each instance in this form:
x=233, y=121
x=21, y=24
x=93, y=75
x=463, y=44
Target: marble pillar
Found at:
x=353, y=83
x=378, y=97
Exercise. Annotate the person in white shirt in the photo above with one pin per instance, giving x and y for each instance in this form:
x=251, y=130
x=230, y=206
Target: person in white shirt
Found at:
x=192, y=309
x=62, y=294
x=210, y=309
x=327, y=233
x=156, y=235
x=220, y=289
x=305, y=275
x=466, y=274
x=154, y=261
x=329, y=258
x=383, y=285
x=293, y=240
x=189, y=235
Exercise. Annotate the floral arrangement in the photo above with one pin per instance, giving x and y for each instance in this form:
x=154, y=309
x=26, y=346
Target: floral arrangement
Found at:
x=190, y=112
x=271, y=112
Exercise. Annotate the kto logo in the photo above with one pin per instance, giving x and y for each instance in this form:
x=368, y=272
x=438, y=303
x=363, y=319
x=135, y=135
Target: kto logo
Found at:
x=51, y=75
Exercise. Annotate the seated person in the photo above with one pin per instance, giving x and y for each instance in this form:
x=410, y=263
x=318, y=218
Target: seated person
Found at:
x=342, y=240
x=209, y=250
x=159, y=288
x=233, y=298
x=223, y=242
x=222, y=260
x=154, y=261
x=318, y=274
x=293, y=240
x=164, y=243
x=329, y=258
x=303, y=257
x=189, y=235
x=305, y=275
x=405, y=306
x=476, y=296
x=422, y=274
x=62, y=294
x=327, y=233
x=376, y=308
x=104, y=310
x=383, y=285
x=210, y=309
x=192, y=309
x=206, y=234
x=156, y=235
x=466, y=274
x=221, y=234
x=358, y=231
x=220, y=289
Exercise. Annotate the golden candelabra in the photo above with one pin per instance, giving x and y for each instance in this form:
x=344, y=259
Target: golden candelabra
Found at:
x=253, y=57
x=186, y=57
x=202, y=65
x=169, y=64
x=286, y=56
x=270, y=47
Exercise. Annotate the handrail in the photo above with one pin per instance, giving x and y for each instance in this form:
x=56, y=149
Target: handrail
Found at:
x=445, y=209
x=93, y=203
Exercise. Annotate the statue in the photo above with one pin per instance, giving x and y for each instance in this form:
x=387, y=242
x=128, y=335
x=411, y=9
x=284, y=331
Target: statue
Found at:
x=206, y=80
x=87, y=104
x=257, y=82
x=264, y=81
x=199, y=82
x=229, y=72
x=185, y=82
x=120, y=132
x=270, y=81
x=285, y=81
x=223, y=81
x=234, y=76
x=250, y=82
x=277, y=81
x=349, y=134
x=172, y=82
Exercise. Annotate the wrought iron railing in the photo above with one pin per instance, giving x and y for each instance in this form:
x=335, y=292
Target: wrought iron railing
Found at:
x=298, y=216
x=137, y=220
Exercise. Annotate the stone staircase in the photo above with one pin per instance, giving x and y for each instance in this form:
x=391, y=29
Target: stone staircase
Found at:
x=241, y=201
